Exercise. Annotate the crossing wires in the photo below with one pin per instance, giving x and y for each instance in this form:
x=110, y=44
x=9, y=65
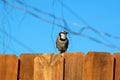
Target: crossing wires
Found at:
x=79, y=33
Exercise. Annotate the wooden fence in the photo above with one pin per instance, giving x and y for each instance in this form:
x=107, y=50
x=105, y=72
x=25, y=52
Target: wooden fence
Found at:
x=70, y=66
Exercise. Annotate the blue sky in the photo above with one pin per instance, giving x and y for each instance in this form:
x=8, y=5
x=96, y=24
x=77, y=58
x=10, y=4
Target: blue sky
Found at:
x=21, y=32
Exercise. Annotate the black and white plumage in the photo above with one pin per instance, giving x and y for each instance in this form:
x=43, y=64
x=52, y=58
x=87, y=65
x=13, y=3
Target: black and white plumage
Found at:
x=62, y=42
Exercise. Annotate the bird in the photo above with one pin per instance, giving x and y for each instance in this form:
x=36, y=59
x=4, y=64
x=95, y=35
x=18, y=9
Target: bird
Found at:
x=62, y=41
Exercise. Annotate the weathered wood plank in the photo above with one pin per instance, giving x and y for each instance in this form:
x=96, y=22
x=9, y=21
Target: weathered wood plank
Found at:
x=27, y=66
x=73, y=66
x=98, y=66
x=8, y=67
x=48, y=67
x=117, y=66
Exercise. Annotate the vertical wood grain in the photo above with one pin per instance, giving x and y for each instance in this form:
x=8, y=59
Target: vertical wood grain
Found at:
x=8, y=67
x=98, y=66
x=26, y=66
x=73, y=66
x=48, y=67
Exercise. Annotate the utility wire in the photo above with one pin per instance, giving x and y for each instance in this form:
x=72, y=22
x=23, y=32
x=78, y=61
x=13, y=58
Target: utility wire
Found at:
x=9, y=47
x=87, y=27
x=65, y=22
x=10, y=36
x=18, y=42
x=43, y=12
x=52, y=30
x=38, y=10
x=72, y=12
x=99, y=32
x=59, y=25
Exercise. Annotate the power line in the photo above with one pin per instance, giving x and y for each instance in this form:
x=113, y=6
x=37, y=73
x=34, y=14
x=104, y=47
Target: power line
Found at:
x=38, y=10
x=72, y=12
x=18, y=42
x=11, y=37
x=99, y=32
x=59, y=25
x=9, y=47
x=87, y=27
x=53, y=6
x=43, y=12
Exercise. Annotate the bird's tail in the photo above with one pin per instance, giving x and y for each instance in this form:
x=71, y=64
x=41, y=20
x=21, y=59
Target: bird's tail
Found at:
x=62, y=52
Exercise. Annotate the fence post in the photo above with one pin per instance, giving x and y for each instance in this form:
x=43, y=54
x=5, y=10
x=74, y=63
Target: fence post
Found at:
x=117, y=66
x=98, y=66
x=48, y=67
x=26, y=66
x=8, y=67
x=73, y=66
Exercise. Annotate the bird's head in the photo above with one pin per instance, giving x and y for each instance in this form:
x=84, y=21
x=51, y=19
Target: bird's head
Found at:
x=63, y=35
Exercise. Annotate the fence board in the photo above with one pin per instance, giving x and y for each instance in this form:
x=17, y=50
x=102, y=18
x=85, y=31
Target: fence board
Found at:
x=73, y=66
x=98, y=66
x=117, y=66
x=8, y=67
x=48, y=67
x=26, y=66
